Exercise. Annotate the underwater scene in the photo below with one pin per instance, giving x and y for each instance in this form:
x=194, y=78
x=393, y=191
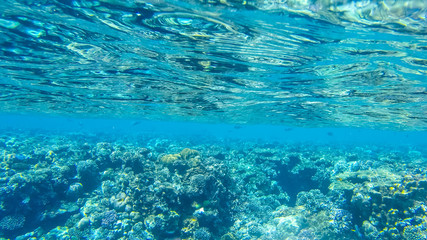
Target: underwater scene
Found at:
x=213, y=119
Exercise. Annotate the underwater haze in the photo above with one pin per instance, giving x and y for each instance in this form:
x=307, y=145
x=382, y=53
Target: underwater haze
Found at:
x=213, y=119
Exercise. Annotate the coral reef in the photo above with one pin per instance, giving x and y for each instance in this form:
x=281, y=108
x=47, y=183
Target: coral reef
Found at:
x=99, y=187
x=12, y=222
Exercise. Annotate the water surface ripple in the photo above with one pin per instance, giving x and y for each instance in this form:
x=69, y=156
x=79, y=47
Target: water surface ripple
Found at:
x=305, y=63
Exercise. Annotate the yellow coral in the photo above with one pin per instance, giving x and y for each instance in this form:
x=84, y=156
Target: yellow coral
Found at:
x=169, y=158
x=187, y=153
x=192, y=157
x=228, y=236
x=190, y=225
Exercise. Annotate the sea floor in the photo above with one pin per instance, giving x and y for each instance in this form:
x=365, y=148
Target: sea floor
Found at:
x=82, y=186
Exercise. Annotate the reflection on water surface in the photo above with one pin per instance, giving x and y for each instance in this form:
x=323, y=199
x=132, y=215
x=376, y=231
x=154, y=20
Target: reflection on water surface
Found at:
x=306, y=63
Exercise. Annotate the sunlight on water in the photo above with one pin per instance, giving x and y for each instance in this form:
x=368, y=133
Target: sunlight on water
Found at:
x=301, y=63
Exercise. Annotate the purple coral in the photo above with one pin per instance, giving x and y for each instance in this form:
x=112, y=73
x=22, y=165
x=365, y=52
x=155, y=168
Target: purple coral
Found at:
x=340, y=220
x=306, y=234
x=109, y=219
x=12, y=222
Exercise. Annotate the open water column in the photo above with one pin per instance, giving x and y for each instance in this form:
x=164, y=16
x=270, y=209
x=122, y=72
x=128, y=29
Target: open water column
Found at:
x=213, y=119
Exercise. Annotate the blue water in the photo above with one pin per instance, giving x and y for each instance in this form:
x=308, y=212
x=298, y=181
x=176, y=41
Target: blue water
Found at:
x=175, y=129
x=213, y=119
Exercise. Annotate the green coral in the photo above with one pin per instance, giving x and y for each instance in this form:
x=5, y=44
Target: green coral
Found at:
x=414, y=233
x=170, y=158
x=190, y=226
x=187, y=156
x=385, y=201
x=349, y=180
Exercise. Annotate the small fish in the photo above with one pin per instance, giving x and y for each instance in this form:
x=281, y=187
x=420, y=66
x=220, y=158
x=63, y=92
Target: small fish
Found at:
x=135, y=123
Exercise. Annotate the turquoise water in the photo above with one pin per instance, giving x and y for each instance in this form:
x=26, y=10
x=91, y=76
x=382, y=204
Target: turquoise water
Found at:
x=205, y=120
x=356, y=64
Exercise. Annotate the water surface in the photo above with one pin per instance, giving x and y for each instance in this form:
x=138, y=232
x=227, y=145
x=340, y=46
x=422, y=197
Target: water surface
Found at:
x=302, y=63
